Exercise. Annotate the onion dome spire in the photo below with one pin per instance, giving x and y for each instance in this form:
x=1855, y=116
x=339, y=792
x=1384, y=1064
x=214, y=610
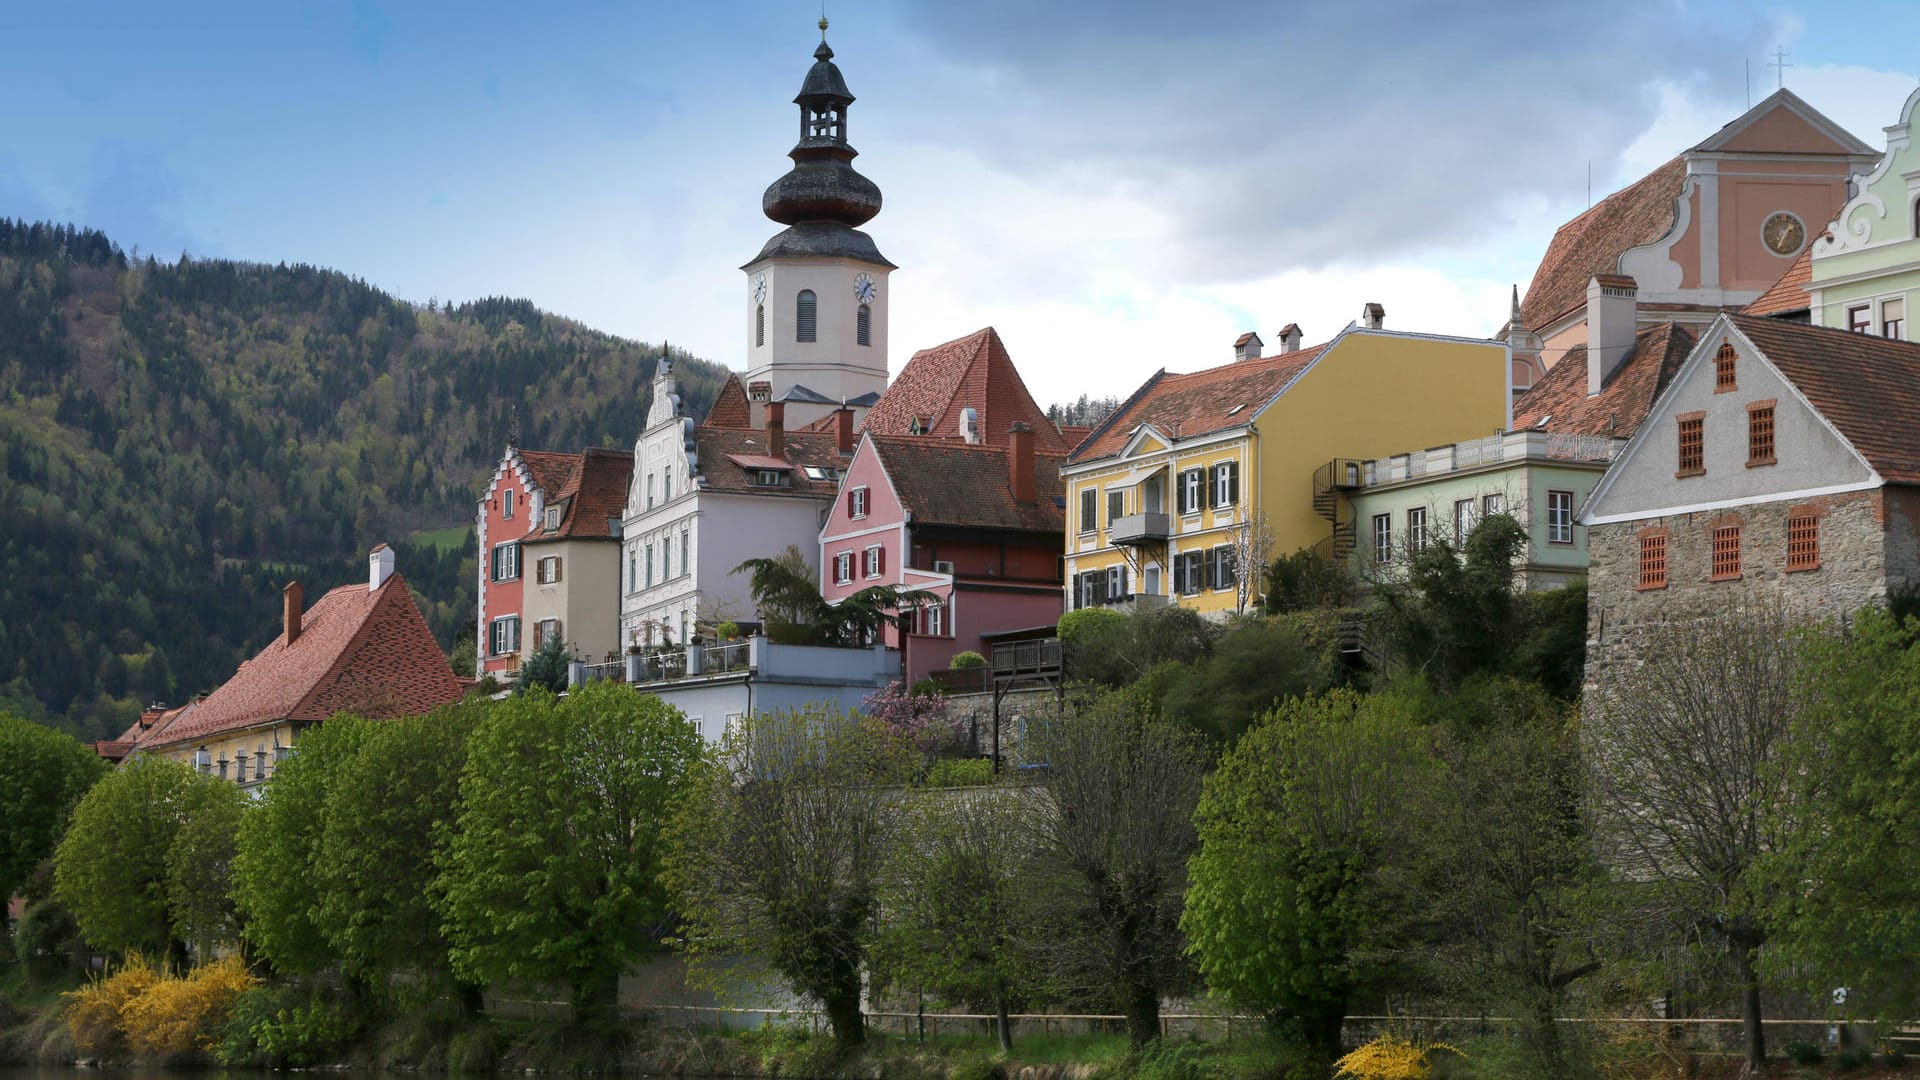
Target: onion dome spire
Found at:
x=822, y=187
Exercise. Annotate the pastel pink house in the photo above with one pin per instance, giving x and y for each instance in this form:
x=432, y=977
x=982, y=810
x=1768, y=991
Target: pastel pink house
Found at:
x=978, y=527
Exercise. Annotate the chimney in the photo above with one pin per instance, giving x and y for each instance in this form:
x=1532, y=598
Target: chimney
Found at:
x=776, y=429
x=843, y=429
x=759, y=393
x=290, y=610
x=1290, y=338
x=379, y=566
x=1247, y=347
x=1612, y=303
x=1020, y=462
x=1373, y=316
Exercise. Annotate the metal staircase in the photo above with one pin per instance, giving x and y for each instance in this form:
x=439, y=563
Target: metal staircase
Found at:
x=1329, y=480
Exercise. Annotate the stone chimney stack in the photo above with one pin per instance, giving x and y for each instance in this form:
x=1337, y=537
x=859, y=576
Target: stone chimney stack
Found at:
x=1612, y=318
x=1373, y=316
x=1290, y=338
x=1247, y=347
x=379, y=566
x=1020, y=462
x=843, y=429
x=776, y=429
x=290, y=598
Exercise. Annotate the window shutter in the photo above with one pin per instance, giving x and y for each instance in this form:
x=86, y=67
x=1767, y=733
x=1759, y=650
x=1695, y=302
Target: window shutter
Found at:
x=1233, y=483
x=1125, y=585
x=1180, y=575
x=1180, y=494
x=880, y=561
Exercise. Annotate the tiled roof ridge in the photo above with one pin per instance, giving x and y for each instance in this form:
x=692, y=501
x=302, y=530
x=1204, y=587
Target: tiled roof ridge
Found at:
x=731, y=407
x=1114, y=417
x=395, y=585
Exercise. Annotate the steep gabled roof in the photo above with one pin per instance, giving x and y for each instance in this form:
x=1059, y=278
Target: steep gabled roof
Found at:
x=1201, y=402
x=1790, y=292
x=592, y=499
x=970, y=372
x=550, y=471
x=1867, y=387
x=1559, y=401
x=944, y=482
x=719, y=453
x=360, y=651
x=730, y=407
x=1592, y=243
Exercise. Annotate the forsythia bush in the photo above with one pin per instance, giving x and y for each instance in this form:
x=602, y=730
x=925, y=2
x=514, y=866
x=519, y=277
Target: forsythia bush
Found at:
x=155, y=1016
x=1390, y=1057
x=94, y=1010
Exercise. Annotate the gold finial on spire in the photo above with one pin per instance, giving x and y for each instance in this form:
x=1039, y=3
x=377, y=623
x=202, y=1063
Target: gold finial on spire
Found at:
x=823, y=23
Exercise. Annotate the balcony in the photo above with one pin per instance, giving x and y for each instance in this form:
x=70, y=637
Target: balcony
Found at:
x=755, y=657
x=1136, y=529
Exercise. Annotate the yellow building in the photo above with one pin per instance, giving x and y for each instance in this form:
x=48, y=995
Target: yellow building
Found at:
x=1200, y=478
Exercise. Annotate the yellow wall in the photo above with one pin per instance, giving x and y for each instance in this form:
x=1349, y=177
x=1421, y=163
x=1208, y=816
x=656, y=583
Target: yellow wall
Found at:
x=230, y=745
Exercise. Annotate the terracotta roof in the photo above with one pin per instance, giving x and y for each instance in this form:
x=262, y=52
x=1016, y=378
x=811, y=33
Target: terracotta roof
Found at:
x=550, y=471
x=730, y=406
x=1074, y=435
x=1866, y=386
x=1188, y=406
x=944, y=482
x=1790, y=292
x=1560, y=397
x=367, y=652
x=970, y=372
x=593, y=495
x=1593, y=242
x=718, y=452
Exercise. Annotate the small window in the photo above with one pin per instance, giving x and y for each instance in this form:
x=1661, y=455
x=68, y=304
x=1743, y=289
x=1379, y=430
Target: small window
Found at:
x=1893, y=318
x=1417, y=529
x=1726, y=552
x=1226, y=483
x=649, y=491
x=1559, y=517
x=506, y=562
x=843, y=568
x=759, y=325
x=686, y=540
x=1693, y=444
x=1383, y=538
x=805, y=316
x=933, y=617
x=553, y=518
x=503, y=635
x=549, y=570
x=863, y=327
x=1723, y=370
x=857, y=503
x=873, y=561
x=647, y=558
x=633, y=571
x=1760, y=434
x=770, y=477
x=666, y=484
x=1653, y=560
x=1224, y=574
x=1803, y=540
x=1236, y=408
x=1116, y=505
x=817, y=472
x=1493, y=504
x=1462, y=521
x=1192, y=485
x=1860, y=318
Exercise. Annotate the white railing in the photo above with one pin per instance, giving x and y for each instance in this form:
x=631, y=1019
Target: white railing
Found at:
x=1562, y=447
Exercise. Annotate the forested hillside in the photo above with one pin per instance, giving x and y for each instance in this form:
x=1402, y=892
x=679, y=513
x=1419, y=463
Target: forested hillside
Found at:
x=181, y=439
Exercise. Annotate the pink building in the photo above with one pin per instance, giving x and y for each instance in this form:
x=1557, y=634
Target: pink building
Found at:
x=976, y=525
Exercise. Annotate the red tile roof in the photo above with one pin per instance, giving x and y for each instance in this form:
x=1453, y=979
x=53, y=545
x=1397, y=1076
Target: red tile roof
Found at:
x=944, y=482
x=970, y=372
x=718, y=451
x=1593, y=242
x=549, y=471
x=1559, y=401
x=1868, y=387
x=1790, y=292
x=592, y=499
x=366, y=652
x=730, y=406
x=1195, y=404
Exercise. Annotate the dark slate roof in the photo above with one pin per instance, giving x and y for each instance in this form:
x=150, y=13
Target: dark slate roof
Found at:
x=1560, y=397
x=821, y=239
x=1868, y=387
x=948, y=482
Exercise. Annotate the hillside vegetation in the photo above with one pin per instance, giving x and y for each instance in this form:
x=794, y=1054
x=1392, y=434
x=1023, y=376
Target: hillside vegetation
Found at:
x=181, y=439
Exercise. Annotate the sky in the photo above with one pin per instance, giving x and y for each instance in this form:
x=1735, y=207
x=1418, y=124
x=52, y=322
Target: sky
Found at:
x=1116, y=187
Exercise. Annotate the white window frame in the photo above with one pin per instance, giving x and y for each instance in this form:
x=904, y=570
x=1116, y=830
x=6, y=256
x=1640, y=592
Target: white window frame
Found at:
x=1193, y=482
x=506, y=561
x=547, y=570
x=1383, y=537
x=843, y=568
x=870, y=562
x=858, y=501
x=1416, y=529
x=503, y=635
x=1559, y=517
x=1223, y=483
x=1490, y=505
x=1463, y=520
x=506, y=503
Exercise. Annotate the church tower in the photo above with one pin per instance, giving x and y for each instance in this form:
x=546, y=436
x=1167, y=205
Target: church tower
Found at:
x=817, y=292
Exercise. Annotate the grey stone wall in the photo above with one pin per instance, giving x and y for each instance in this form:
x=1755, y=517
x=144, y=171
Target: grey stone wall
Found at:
x=1861, y=533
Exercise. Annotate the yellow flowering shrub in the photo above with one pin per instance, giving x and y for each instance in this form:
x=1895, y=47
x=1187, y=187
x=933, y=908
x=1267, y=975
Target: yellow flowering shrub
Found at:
x=1391, y=1057
x=176, y=1017
x=94, y=1011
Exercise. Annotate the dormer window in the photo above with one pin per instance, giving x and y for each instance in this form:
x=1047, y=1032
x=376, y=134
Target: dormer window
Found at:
x=553, y=518
x=771, y=477
x=506, y=504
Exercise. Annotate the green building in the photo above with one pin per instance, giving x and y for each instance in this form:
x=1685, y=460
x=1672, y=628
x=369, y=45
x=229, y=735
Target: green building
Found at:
x=1865, y=273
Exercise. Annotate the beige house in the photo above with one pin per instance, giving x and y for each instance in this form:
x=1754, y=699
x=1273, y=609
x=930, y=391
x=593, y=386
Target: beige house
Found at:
x=570, y=559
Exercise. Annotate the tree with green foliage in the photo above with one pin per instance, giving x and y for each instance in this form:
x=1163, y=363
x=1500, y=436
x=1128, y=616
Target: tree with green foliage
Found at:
x=778, y=851
x=1294, y=904
x=43, y=774
x=1304, y=581
x=110, y=869
x=1457, y=612
x=1846, y=880
x=552, y=873
x=958, y=913
x=200, y=866
x=1552, y=650
x=793, y=612
x=1254, y=664
x=1111, y=845
x=546, y=668
x=1116, y=652
x=280, y=849
x=388, y=809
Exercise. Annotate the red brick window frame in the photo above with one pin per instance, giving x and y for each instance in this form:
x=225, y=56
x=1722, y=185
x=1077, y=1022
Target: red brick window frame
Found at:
x=1725, y=534
x=1760, y=444
x=1653, y=559
x=1723, y=370
x=1803, y=538
x=1692, y=429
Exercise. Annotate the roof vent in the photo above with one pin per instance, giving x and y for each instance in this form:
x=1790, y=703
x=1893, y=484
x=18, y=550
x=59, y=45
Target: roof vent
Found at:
x=1290, y=338
x=1373, y=316
x=1247, y=346
x=379, y=566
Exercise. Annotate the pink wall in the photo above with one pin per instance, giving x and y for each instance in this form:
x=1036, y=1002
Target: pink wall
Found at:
x=844, y=533
x=504, y=597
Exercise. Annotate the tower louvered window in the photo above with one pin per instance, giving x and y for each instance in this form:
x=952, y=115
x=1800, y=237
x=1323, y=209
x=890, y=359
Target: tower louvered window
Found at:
x=806, y=316
x=863, y=332
x=759, y=325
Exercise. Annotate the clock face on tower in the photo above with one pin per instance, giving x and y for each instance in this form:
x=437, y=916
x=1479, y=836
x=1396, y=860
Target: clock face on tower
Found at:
x=759, y=288
x=863, y=288
x=1783, y=234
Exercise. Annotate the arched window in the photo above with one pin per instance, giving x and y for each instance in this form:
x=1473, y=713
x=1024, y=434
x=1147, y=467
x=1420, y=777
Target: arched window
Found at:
x=805, y=323
x=863, y=332
x=759, y=325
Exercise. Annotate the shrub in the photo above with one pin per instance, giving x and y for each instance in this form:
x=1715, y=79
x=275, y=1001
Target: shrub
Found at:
x=966, y=660
x=960, y=772
x=287, y=1025
x=94, y=1011
x=1802, y=1052
x=177, y=1017
x=1853, y=1058
x=1077, y=624
x=727, y=631
x=1174, y=1061
x=1894, y=1057
x=1391, y=1057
